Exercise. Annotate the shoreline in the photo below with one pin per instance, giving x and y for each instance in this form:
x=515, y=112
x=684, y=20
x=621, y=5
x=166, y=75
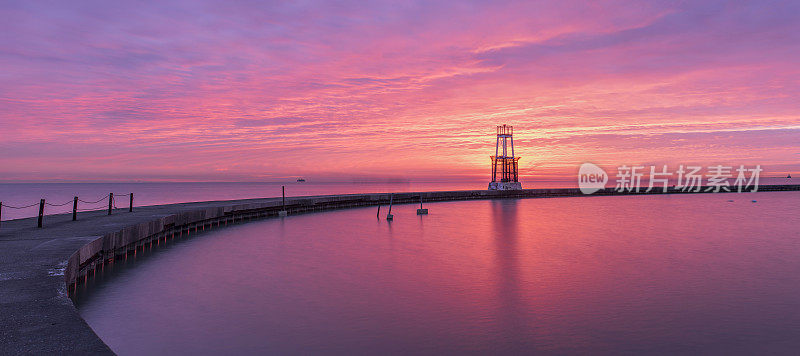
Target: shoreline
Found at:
x=39, y=266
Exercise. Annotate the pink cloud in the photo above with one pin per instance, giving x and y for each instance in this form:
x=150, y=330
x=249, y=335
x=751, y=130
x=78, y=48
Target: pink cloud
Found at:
x=236, y=91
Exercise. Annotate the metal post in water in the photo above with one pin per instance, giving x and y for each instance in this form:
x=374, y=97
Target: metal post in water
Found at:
x=389, y=216
x=421, y=211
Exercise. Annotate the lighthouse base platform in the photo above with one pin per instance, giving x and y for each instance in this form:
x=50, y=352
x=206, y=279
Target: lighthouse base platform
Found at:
x=505, y=186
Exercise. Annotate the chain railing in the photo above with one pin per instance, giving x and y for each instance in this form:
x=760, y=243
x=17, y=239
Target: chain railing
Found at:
x=110, y=199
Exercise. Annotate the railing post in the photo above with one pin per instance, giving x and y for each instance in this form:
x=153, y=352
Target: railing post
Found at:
x=283, y=211
x=130, y=209
x=41, y=212
x=1, y=213
x=110, y=202
x=75, y=209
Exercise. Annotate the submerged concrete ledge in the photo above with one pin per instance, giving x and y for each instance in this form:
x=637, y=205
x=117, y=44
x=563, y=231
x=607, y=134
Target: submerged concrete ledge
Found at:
x=39, y=267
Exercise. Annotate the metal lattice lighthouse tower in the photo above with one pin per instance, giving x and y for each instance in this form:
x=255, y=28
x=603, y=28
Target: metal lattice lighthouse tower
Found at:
x=505, y=174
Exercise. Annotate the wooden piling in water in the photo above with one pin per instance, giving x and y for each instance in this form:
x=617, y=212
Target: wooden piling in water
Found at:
x=75, y=209
x=130, y=208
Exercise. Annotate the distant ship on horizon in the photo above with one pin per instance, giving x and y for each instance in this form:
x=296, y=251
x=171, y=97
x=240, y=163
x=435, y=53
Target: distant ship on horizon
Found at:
x=301, y=180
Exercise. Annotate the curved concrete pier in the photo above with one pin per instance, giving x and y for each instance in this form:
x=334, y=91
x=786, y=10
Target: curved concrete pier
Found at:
x=38, y=267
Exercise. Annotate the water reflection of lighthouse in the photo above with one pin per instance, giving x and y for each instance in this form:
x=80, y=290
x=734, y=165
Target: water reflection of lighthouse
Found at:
x=505, y=166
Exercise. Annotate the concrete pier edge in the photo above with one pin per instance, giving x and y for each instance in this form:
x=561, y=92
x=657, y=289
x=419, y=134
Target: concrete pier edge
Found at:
x=39, y=267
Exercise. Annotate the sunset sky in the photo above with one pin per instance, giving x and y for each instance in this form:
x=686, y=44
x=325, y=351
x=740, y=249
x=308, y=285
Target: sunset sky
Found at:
x=258, y=91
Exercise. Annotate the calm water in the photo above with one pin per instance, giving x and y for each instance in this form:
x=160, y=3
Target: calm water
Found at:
x=599, y=275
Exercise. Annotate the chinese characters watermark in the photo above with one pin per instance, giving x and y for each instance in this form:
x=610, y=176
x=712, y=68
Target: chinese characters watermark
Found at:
x=592, y=178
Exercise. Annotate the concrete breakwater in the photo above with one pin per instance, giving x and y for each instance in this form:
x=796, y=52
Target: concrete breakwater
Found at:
x=38, y=267
x=118, y=243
